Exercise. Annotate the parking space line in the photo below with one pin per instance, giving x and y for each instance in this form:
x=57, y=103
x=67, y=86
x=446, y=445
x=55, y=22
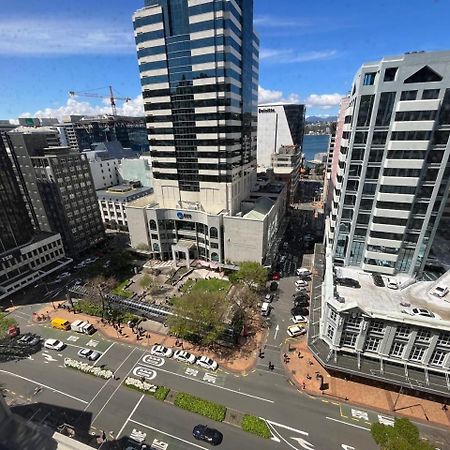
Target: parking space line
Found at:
x=347, y=423
x=129, y=417
x=167, y=434
x=45, y=385
x=103, y=354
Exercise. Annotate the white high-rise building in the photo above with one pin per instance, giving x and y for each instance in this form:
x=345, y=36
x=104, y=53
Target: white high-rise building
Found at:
x=198, y=63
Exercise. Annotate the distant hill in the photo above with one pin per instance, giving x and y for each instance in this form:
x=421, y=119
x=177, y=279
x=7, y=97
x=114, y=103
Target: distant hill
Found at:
x=315, y=119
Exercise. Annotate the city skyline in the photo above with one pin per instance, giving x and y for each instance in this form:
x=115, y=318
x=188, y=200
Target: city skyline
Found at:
x=305, y=42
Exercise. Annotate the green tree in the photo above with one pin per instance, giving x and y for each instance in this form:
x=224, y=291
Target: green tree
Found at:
x=250, y=273
x=199, y=316
x=318, y=170
x=404, y=435
x=97, y=288
x=146, y=282
x=245, y=298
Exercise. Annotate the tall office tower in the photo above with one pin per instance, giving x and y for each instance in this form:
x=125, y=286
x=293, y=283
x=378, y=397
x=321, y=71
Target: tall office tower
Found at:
x=393, y=180
x=198, y=63
x=279, y=125
x=58, y=189
x=199, y=75
x=25, y=255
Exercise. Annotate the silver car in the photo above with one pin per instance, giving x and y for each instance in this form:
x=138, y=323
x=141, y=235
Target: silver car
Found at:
x=89, y=354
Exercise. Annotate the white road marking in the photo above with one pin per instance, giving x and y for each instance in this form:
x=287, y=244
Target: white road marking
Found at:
x=131, y=413
x=277, y=329
x=170, y=435
x=153, y=360
x=358, y=414
x=386, y=420
x=148, y=374
x=287, y=427
x=44, y=385
x=304, y=444
x=216, y=386
x=272, y=428
x=48, y=357
x=103, y=354
x=347, y=447
x=346, y=423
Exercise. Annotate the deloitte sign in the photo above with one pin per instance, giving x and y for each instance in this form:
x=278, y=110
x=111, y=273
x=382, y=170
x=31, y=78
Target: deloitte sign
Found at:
x=266, y=110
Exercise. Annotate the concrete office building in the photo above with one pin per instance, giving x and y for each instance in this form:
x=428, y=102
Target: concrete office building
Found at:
x=58, y=189
x=286, y=165
x=25, y=255
x=137, y=169
x=278, y=125
x=199, y=72
x=393, y=179
x=391, y=192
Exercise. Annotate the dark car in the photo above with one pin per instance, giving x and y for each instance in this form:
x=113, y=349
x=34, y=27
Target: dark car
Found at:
x=210, y=435
x=348, y=282
x=29, y=339
x=300, y=311
x=377, y=280
x=301, y=296
x=301, y=302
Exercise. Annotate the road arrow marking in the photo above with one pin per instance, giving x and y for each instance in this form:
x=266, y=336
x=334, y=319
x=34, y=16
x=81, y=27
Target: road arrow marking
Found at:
x=274, y=438
x=48, y=357
x=348, y=447
x=29, y=357
x=295, y=430
x=277, y=329
x=305, y=444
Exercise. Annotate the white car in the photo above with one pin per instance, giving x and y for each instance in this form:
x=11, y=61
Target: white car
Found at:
x=300, y=289
x=303, y=272
x=54, y=344
x=160, y=350
x=183, y=356
x=207, y=363
x=295, y=330
x=440, y=291
x=87, y=353
x=268, y=298
x=392, y=284
x=422, y=312
x=301, y=283
x=299, y=319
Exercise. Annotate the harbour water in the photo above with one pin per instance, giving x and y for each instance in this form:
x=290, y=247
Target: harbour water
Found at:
x=315, y=143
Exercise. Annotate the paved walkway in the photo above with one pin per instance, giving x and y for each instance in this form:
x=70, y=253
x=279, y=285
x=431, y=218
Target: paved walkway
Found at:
x=303, y=372
x=238, y=361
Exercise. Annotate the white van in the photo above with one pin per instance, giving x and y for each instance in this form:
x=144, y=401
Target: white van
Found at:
x=265, y=309
x=303, y=272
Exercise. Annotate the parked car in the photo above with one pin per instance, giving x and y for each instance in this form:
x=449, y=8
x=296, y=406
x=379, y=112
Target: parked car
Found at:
x=29, y=339
x=300, y=283
x=301, y=302
x=440, y=291
x=301, y=296
x=160, y=350
x=89, y=354
x=207, y=363
x=303, y=272
x=265, y=309
x=300, y=289
x=54, y=344
x=392, y=284
x=295, y=330
x=184, y=356
x=299, y=311
x=273, y=286
x=299, y=319
x=206, y=434
x=275, y=276
x=422, y=312
x=377, y=280
x=268, y=298
x=348, y=282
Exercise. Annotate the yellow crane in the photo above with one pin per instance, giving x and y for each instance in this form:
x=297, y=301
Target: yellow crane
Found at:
x=111, y=96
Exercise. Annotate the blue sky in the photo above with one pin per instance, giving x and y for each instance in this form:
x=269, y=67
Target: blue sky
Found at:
x=310, y=50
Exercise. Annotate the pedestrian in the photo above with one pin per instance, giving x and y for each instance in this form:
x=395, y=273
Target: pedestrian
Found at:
x=299, y=355
x=270, y=365
x=303, y=385
x=308, y=376
x=103, y=436
x=444, y=407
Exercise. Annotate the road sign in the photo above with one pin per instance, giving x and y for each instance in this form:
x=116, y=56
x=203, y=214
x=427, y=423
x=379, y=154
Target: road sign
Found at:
x=153, y=360
x=145, y=372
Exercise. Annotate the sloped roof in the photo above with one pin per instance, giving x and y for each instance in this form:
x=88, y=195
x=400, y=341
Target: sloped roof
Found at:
x=262, y=207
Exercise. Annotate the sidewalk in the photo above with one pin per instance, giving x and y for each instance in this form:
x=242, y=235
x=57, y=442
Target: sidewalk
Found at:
x=238, y=361
x=300, y=369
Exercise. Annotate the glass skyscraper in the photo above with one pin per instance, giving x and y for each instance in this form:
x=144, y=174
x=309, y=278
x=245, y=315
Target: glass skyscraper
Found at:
x=199, y=72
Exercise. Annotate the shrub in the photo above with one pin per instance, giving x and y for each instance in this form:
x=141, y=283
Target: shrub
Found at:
x=141, y=386
x=255, y=425
x=106, y=374
x=198, y=405
x=161, y=393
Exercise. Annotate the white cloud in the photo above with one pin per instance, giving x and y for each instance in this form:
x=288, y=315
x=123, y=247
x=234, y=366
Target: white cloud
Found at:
x=43, y=36
x=320, y=101
x=134, y=107
x=276, y=22
x=290, y=56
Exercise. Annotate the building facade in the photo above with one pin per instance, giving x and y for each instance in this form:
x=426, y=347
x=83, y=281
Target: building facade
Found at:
x=393, y=179
x=286, y=166
x=278, y=125
x=58, y=189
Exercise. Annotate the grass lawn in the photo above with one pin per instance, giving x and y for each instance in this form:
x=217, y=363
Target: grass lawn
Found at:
x=120, y=290
x=211, y=285
x=5, y=322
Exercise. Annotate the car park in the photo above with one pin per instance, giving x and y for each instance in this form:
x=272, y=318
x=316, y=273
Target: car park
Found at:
x=303, y=272
x=87, y=353
x=440, y=291
x=392, y=284
x=160, y=350
x=299, y=319
x=207, y=363
x=300, y=283
x=29, y=339
x=207, y=434
x=295, y=330
x=378, y=280
x=54, y=344
x=348, y=282
x=422, y=312
x=184, y=356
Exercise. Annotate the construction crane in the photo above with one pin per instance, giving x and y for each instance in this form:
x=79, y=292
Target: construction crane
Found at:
x=112, y=98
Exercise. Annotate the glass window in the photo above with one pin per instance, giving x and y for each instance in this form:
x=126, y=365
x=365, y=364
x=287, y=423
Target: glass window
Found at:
x=369, y=78
x=417, y=353
x=444, y=114
x=330, y=331
x=372, y=344
x=398, y=349
x=430, y=94
x=444, y=339
x=425, y=75
x=365, y=110
x=348, y=339
x=386, y=105
x=423, y=335
x=333, y=314
x=403, y=331
x=390, y=73
x=408, y=95
x=437, y=358
x=376, y=326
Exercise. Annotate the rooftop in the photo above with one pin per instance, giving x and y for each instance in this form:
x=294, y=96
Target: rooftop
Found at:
x=122, y=191
x=143, y=202
x=395, y=304
x=262, y=207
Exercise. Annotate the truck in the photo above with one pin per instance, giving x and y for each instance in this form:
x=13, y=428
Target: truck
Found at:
x=82, y=326
x=60, y=324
